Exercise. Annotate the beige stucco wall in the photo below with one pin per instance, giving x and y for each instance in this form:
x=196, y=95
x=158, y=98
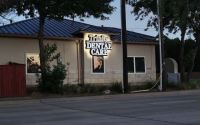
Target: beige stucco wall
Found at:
x=148, y=52
x=113, y=65
x=15, y=49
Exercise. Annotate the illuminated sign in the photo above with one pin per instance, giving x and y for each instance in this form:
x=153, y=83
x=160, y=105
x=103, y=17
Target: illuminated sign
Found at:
x=98, y=44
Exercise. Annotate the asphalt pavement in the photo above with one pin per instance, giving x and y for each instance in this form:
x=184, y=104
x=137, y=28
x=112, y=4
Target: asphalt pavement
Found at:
x=160, y=108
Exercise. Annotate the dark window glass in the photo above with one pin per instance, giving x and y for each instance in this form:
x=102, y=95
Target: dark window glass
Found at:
x=139, y=64
x=130, y=64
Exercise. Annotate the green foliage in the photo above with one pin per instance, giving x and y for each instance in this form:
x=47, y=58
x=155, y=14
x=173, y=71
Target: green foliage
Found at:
x=174, y=13
x=144, y=86
x=70, y=89
x=53, y=75
x=49, y=51
x=116, y=87
x=172, y=47
x=58, y=9
x=6, y=6
x=89, y=88
x=197, y=62
x=192, y=84
x=177, y=15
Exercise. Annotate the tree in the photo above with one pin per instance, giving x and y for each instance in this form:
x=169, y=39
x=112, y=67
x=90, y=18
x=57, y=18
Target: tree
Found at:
x=54, y=74
x=6, y=6
x=174, y=15
x=58, y=9
x=186, y=16
x=173, y=45
x=194, y=23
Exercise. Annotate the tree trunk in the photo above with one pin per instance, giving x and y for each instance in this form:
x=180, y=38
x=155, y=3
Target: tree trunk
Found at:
x=194, y=53
x=182, y=50
x=41, y=45
x=162, y=51
x=164, y=74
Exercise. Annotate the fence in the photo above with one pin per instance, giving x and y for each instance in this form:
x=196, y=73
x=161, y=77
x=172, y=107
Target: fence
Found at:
x=12, y=80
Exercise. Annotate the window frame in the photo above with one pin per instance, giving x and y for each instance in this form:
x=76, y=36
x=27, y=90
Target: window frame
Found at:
x=26, y=68
x=135, y=65
x=91, y=65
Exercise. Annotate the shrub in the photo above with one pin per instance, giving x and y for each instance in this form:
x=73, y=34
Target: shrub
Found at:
x=192, y=84
x=53, y=76
x=116, y=87
x=70, y=89
x=53, y=79
x=86, y=89
x=144, y=86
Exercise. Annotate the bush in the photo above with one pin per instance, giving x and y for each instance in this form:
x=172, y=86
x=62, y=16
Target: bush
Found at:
x=86, y=89
x=52, y=76
x=192, y=84
x=116, y=87
x=144, y=86
x=53, y=79
x=70, y=89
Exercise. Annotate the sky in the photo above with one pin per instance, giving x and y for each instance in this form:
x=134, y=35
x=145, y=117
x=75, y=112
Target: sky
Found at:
x=114, y=21
x=138, y=26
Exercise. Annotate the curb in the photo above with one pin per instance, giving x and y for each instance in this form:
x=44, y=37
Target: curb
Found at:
x=18, y=100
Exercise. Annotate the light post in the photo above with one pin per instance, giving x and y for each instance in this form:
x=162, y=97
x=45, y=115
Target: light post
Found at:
x=161, y=47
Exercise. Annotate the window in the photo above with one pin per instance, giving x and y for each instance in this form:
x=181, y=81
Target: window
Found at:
x=139, y=64
x=97, y=64
x=136, y=64
x=130, y=64
x=32, y=63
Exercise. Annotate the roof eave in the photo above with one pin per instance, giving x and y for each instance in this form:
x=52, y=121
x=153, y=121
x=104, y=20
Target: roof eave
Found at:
x=109, y=33
x=73, y=39
x=35, y=37
x=137, y=42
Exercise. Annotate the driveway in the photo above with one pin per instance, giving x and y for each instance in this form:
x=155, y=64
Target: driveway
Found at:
x=166, y=108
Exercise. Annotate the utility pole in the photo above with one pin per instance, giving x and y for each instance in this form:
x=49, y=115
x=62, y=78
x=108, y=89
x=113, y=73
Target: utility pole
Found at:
x=124, y=46
x=161, y=44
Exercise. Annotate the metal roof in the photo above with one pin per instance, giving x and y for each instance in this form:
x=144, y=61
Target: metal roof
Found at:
x=67, y=29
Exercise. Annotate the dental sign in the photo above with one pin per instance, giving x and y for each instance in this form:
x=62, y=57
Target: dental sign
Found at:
x=98, y=44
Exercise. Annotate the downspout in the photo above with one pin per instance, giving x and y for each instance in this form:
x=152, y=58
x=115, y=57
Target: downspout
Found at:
x=82, y=75
x=78, y=61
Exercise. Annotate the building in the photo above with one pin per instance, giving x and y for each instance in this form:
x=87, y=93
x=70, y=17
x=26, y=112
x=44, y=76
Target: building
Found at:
x=92, y=54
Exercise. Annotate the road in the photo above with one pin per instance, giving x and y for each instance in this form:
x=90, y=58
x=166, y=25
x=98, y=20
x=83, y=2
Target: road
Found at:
x=167, y=108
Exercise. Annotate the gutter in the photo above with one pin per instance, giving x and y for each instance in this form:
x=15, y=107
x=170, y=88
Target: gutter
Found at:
x=148, y=42
x=35, y=37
